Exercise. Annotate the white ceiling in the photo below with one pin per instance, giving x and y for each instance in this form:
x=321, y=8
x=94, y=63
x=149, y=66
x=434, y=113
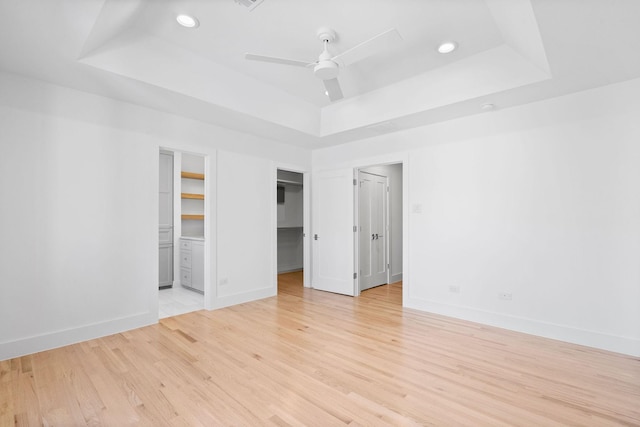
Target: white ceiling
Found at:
x=510, y=52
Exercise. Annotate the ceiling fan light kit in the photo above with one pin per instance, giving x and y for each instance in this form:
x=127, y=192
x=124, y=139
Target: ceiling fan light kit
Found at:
x=327, y=67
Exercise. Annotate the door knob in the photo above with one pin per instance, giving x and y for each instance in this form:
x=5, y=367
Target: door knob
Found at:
x=315, y=237
x=373, y=237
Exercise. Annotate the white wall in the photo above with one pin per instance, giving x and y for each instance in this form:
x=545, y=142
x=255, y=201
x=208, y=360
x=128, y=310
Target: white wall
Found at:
x=246, y=261
x=540, y=201
x=394, y=174
x=79, y=222
x=79, y=207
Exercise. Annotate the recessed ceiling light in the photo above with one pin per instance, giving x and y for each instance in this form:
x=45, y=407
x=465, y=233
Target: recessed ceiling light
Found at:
x=187, y=21
x=447, y=47
x=488, y=107
x=326, y=92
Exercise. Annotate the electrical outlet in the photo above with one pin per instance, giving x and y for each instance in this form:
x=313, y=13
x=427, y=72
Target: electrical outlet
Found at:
x=505, y=296
x=223, y=281
x=454, y=289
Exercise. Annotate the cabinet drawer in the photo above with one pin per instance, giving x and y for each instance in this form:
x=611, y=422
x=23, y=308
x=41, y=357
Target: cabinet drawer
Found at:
x=185, y=277
x=185, y=259
x=185, y=244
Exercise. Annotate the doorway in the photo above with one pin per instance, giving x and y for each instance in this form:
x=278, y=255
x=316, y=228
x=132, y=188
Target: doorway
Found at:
x=290, y=228
x=182, y=212
x=373, y=213
x=379, y=206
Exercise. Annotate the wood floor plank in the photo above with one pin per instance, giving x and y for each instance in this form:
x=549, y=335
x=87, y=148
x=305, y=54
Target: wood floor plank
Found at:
x=313, y=358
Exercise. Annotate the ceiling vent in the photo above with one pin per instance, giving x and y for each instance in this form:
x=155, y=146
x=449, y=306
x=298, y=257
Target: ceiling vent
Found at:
x=251, y=4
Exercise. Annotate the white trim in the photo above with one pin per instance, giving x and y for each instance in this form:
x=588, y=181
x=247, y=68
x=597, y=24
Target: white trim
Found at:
x=34, y=344
x=241, y=298
x=555, y=331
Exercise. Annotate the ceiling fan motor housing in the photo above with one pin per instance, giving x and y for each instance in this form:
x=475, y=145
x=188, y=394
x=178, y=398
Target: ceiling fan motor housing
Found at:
x=326, y=70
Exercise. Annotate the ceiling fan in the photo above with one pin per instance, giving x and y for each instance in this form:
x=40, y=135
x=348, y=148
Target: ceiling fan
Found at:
x=327, y=67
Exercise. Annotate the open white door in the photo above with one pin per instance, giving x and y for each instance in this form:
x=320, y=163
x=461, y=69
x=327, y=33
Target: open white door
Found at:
x=333, y=256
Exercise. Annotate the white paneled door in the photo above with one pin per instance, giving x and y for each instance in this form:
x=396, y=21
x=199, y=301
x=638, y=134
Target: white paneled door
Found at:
x=333, y=235
x=373, y=223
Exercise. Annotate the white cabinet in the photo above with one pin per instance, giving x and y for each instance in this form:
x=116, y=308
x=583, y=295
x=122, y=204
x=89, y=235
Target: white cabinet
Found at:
x=165, y=266
x=165, y=220
x=192, y=263
x=197, y=266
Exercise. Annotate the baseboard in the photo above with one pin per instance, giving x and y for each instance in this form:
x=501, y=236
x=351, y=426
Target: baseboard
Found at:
x=240, y=298
x=289, y=268
x=396, y=278
x=30, y=345
x=624, y=345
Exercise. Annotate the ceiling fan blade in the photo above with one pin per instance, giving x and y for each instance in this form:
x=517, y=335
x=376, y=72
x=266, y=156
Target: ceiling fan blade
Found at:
x=370, y=47
x=275, y=60
x=333, y=89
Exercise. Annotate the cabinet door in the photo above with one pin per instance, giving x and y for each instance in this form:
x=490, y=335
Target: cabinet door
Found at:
x=165, y=193
x=197, y=266
x=165, y=221
x=165, y=266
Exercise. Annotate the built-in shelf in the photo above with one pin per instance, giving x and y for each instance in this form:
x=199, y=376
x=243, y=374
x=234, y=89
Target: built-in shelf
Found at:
x=192, y=216
x=286, y=181
x=192, y=175
x=193, y=196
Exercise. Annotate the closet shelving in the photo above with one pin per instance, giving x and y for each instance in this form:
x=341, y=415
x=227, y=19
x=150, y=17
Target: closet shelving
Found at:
x=192, y=175
x=289, y=182
x=192, y=216
x=192, y=196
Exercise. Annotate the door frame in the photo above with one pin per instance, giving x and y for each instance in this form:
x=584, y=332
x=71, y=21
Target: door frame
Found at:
x=209, y=161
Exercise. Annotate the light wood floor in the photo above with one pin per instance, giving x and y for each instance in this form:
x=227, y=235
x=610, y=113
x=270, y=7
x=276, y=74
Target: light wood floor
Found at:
x=311, y=358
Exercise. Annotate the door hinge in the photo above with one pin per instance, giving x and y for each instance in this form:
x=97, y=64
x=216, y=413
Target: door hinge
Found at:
x=355, y=181
x=387, y=188
x=388, y=266
x=355, y=228
x=355, y=275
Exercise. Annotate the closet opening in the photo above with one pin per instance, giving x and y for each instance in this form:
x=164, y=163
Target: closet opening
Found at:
x=290, y=231
x=182, y=213
x=379, y=241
